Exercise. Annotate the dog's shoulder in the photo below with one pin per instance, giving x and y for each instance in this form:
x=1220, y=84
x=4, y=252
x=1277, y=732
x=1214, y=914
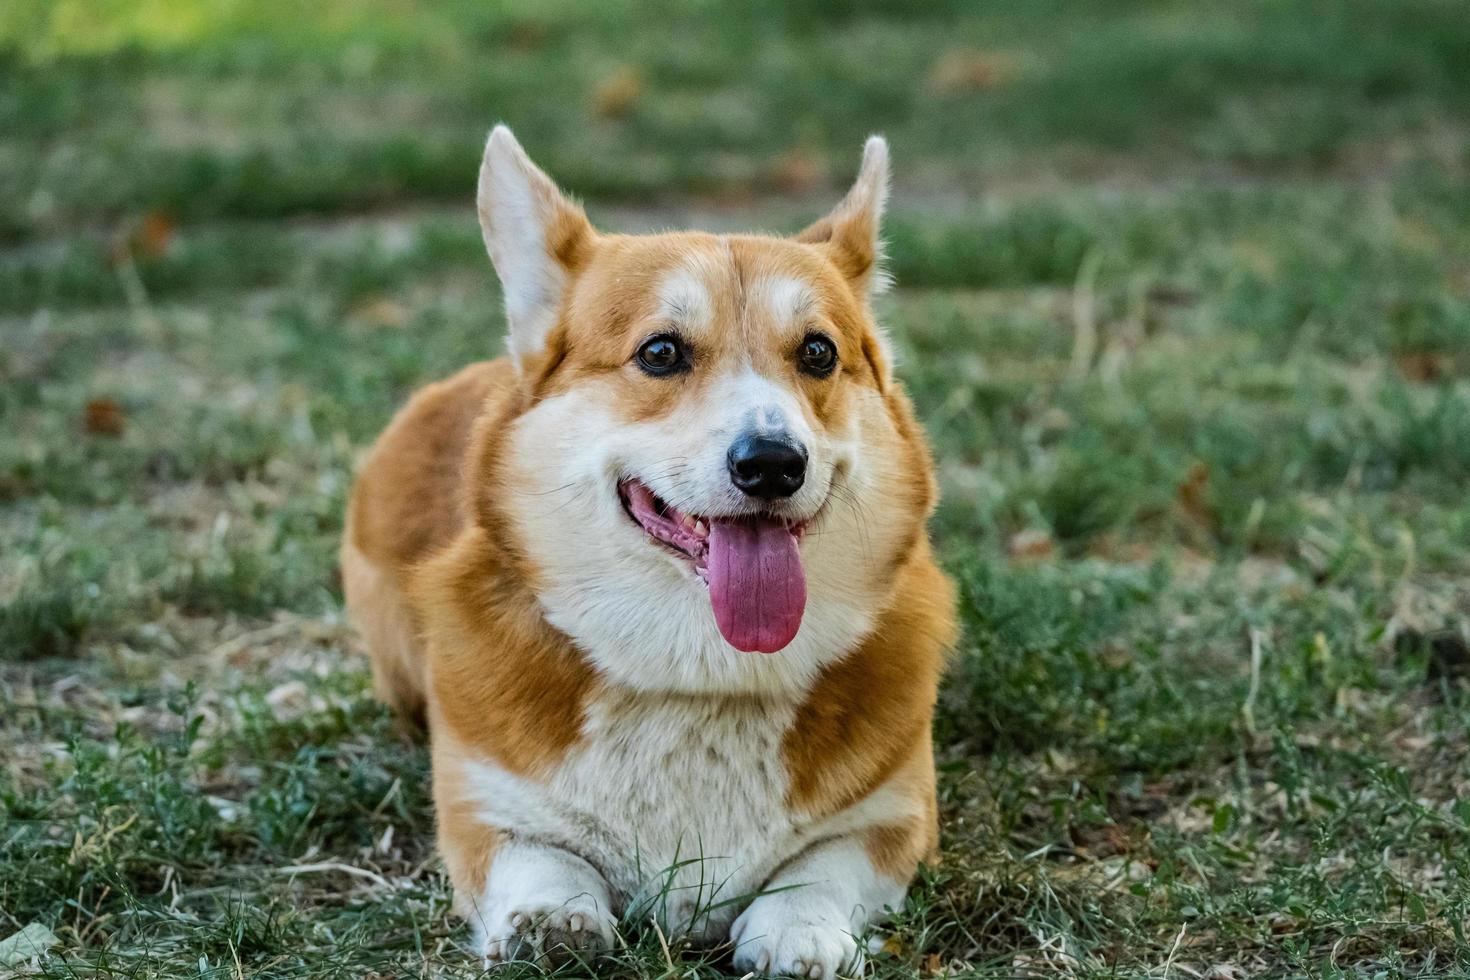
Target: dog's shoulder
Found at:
x=503, y=683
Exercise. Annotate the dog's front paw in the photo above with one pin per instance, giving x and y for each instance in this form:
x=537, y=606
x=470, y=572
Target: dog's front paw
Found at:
x=787, y=935
x=546, y=934
x=543, y=904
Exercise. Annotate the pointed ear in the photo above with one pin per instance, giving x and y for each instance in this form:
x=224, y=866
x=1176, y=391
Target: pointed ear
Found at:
x=536, y=237
x=850, y=232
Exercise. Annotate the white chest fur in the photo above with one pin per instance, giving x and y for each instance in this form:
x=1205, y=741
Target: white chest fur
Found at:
x=678, y=800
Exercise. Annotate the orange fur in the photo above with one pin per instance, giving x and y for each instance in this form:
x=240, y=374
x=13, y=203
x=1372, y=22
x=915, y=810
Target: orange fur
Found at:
x=406, y=503
x=446, y=587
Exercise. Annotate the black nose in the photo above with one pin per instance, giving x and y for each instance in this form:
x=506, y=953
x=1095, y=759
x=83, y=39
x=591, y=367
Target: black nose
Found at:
x=767, y=468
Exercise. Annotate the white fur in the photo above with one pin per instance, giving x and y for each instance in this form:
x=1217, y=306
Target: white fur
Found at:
x=535, y=891
x=788, y=301
x=684, y=301
x=749, y=400
x=680, y=803
x=517, y=203
x=870, y=191
x=813, y=913
x=651, y=626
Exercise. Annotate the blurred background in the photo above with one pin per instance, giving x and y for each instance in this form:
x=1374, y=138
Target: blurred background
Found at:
x=1183, y=297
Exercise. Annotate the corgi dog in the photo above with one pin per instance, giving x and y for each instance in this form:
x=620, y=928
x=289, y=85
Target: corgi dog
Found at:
x=659, y=584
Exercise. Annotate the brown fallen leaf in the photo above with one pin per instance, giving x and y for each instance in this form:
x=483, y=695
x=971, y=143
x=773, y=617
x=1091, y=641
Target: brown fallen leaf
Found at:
x=617, y=93
x=1030, y=545
x=1104, y=840
x=104, y=417
x=1193, y=495
x=383, y=311
x=146, y=238
x=966, y=70
x=155, y=234
x=1425, y=365
x=798, y=171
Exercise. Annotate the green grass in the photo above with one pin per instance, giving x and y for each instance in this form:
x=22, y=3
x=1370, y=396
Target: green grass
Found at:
x=1183, y=300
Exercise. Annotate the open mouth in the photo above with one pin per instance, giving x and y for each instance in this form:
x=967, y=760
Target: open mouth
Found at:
x=752, y=565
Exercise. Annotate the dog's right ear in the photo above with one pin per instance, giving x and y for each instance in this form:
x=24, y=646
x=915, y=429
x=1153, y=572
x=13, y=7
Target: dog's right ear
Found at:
x=850, y=233
x=536, y=237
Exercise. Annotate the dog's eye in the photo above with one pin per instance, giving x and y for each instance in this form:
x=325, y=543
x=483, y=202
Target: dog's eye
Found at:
x=818, y=355
x=661, y=355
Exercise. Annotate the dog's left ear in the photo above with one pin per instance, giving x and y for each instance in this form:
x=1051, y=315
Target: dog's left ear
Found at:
x=850, y=231
x=536, y=237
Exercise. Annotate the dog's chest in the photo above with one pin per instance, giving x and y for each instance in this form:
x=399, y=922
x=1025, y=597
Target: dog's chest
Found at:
x=680, y=794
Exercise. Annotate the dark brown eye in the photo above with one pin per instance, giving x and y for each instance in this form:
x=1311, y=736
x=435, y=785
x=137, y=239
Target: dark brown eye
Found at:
x=661, y=355
x=818, y=355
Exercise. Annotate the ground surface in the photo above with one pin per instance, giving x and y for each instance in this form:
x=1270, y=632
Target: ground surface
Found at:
x=1184, y=298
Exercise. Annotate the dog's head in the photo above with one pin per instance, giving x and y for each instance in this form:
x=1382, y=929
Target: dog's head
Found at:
x=712, y=452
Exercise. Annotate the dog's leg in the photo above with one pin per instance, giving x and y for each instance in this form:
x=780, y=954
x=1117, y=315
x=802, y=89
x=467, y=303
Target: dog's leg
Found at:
x=380, y=611
x=522, y=899
x=809, y=916
x=540, y=903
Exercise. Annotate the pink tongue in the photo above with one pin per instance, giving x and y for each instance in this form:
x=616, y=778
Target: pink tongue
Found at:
x=756, y=583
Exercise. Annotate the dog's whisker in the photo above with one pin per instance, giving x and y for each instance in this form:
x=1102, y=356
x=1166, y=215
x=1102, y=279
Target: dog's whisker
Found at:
x=859, y=513
x=544, y=493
